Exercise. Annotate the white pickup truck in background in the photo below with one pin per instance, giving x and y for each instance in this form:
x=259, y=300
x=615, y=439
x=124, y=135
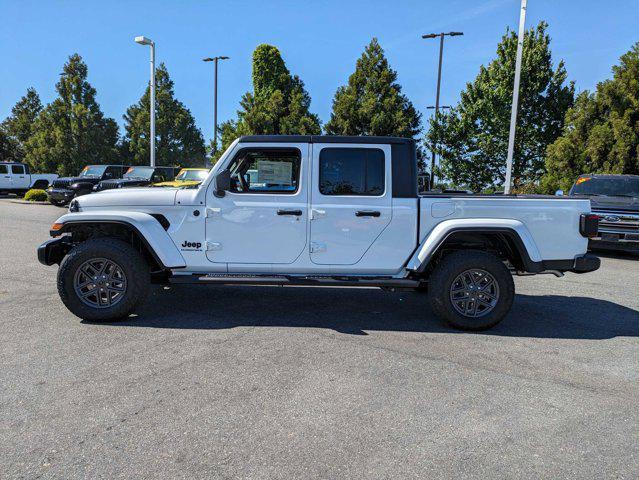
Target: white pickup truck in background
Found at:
x=16, y=178
x=321, y=211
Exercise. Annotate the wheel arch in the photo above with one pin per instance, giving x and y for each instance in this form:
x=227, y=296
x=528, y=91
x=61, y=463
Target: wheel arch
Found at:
x=508, y=240
x=143, y=230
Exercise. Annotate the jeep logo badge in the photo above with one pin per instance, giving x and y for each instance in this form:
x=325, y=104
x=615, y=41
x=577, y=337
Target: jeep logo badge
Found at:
x=191, y=245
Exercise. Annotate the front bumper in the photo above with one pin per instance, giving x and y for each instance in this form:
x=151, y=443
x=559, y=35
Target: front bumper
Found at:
x=60, y=194
x=53, y=251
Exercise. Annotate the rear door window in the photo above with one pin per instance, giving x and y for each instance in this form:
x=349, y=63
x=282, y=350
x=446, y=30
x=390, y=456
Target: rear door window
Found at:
x=17, y=169
x=351, y=171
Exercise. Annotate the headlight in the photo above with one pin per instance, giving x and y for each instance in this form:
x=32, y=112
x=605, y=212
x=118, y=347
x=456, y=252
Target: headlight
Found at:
x=74, y=206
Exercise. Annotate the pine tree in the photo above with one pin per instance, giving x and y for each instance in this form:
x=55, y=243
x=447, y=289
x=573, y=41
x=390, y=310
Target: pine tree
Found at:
x=278, y=105
x=18, y=127
x=372, y=103
x=178, y=140
x=72, y=131
x=472, y=138
x=601, y=132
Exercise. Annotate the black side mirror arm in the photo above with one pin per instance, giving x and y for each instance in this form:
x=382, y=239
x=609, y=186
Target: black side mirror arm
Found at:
x=222, y=183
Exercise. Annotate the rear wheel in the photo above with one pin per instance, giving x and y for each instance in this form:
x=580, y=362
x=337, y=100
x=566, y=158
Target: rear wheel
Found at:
x=471, y=290
x=103, y=279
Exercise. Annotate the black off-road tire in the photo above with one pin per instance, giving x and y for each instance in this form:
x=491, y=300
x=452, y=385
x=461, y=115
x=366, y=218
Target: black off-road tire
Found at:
x=132, y=263
x=448, y=270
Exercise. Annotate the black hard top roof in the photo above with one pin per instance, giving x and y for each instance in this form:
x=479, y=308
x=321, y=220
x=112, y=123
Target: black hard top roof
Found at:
x=323, y=139
x=607, y=175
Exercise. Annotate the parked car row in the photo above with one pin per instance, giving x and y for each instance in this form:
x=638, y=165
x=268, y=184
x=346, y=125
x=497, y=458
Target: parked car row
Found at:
x=96, y=178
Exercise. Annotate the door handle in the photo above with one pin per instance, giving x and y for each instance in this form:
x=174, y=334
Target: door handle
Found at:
x=367, y=213
x=297, y=213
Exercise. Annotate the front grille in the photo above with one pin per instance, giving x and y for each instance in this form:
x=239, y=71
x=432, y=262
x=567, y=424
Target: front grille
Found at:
x=60, y=183
x=106, y=186
x=619, y=222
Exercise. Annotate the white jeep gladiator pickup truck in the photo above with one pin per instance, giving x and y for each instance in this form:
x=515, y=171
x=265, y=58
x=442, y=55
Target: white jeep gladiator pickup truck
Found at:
x=321, y=211
x=16, y=178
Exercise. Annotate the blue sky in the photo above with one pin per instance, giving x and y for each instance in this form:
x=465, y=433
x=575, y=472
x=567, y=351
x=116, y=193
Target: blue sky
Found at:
x=320, y=41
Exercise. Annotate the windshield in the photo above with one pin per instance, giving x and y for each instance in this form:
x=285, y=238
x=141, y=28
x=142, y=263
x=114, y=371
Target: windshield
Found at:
x=93, y=171
x=197, y=175
x=144, y=173
x=621, y=186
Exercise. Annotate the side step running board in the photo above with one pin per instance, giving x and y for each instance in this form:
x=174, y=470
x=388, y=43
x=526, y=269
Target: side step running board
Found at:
x=216, y=279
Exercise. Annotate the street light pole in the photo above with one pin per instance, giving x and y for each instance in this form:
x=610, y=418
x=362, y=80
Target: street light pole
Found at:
x=513, y=110
x=215, y=60
x=439, y=81
x=151, y=43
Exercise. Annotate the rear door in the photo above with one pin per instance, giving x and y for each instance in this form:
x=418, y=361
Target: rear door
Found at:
x=351, y=201
x=19, y=177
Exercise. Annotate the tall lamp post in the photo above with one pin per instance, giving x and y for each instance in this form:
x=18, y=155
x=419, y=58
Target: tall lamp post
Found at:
x=513, y=109
x=439, y=81
x=151, y=43
x=215, y=60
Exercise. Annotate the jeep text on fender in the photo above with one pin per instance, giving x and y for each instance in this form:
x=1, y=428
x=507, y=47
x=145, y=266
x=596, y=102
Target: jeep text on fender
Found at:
x=316, y=210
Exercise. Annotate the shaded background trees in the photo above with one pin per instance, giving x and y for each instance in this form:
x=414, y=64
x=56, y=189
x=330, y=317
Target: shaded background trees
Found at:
x=601, y=132
x=178, y=140
x=72, y=131
x=472, y=138
x=278, y=105
x=18, y=127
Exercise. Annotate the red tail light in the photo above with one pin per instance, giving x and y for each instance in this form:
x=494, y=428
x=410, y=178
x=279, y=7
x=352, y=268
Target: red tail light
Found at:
x=589, y=225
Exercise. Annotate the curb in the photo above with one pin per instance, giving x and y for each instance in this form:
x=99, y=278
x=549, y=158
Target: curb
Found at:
x=24, y=202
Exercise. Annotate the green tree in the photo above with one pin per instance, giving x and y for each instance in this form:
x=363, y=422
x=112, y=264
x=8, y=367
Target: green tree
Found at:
x=72, y=131
x=372, y=103
x=18, y=127
x=472, y=138
x=8, y=147
x=601, y=132
x=178, y=140
x=278, y=105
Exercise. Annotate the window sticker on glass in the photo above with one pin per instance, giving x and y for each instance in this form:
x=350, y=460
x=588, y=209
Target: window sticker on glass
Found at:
x=275, y=173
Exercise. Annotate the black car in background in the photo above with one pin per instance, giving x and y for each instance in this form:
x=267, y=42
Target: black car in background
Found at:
x=139, y=176
x=615, y=198
x=65, y=189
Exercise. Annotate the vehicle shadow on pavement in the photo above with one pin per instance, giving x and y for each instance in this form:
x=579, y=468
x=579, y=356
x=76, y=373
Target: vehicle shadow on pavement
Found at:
x=356, y=311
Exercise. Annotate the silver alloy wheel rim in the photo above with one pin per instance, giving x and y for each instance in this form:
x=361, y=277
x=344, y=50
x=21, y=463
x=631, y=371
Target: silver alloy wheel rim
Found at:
x=474, y=293
x=100, y=283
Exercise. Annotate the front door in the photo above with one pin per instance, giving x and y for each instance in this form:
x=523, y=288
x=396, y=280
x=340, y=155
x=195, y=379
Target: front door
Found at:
x=351, y=202
x=263, y=219
x=5, y=177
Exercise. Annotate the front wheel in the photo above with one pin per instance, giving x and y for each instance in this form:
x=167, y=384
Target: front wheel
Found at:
x=471, y=290
x=103, y=279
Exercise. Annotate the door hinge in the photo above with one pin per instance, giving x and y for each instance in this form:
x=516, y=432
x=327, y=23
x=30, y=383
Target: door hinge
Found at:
x=213, y=246
x=212, y=212
x=317, y=247
x=315, y=213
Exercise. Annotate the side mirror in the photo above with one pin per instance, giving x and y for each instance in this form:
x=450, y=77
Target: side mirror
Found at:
x=559, y=193
x=222, y=183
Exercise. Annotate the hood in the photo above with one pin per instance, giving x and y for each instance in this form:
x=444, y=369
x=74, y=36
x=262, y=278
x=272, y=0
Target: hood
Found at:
x=623, y=204
x=125, y=182
x=128, y=197
x=66, y=181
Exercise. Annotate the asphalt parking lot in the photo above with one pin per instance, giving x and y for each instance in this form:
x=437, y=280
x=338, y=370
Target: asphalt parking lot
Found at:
x=271, y=382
